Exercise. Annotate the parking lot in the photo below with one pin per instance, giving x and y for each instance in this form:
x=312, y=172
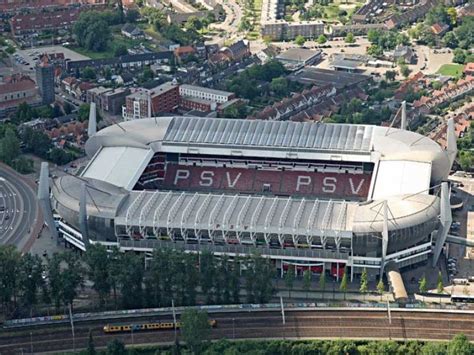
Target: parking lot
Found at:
x=26, y=58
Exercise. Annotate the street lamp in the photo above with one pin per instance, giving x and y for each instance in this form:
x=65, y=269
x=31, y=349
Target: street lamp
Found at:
x=233, y=328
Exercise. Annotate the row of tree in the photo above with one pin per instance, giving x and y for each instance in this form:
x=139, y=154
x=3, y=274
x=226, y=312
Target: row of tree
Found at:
x=459, y=345
x=122, y=280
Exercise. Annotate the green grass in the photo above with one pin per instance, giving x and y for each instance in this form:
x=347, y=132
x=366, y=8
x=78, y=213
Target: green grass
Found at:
x=92, y=54
x=454, y=70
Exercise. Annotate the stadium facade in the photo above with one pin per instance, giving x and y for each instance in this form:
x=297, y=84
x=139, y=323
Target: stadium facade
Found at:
x=314, y=195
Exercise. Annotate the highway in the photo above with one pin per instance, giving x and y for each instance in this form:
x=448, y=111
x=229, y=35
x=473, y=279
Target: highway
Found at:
x=20, y=218
x=254, y=325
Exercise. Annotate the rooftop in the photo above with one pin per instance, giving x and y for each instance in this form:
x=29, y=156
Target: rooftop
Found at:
x=206, y=90
x=298, y=54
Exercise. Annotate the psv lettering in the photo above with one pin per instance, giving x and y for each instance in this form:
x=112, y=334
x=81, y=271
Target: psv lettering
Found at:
x=283, y=182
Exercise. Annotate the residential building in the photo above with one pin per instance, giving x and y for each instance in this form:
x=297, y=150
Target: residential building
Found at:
x=36, y=22
x=469, y=69
x=17, y=89
x=439, y=29
x=404, y=53
x=132, y=31
x=146, y=103
x=113, y=100
x=45, y=81
x=355, y=29
x=411, y=15
x=133, y=60
x=17, y=6
x=199, y=92
x=95, y=95
x=275, y=27
x=137, y=105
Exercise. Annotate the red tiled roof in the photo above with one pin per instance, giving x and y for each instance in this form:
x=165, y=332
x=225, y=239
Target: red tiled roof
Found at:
x=44, y=20
x=184, y=50
x=22, y=85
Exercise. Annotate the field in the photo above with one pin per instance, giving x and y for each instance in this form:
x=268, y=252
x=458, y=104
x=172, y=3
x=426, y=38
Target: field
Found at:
x=454, y=70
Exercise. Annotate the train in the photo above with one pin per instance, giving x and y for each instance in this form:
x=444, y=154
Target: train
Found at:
x=111, y=328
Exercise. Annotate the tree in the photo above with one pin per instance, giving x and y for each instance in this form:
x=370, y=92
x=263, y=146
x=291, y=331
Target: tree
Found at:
x=380, y=287
x=459, y=56
x=193, y=23
x=349, y=38
x=97, y=260
x=195, y=329
x=9, y=146
x=10, y=266
x=114, y=266
x=423, y=285
x=440, y=287
x=90, y=345
x=83, y=113
x=131, y=281
x=364, y=283
x=453, y=15
x=88, y=73
x=466, y=160
x=343, y=286
x=60, y=156
x=120, y=50
x=279, y=86
x=307, y=281
x=390, y=75
x=322, y=39
x=290, y=279
x=404, y=70
x=30, y=279
x=116, y=347
x=460, y=345
x=300, y=40
x=92, y=31
x=36, y=142
x=71, y=278
x=67, y=107
x=450, y=40
x=322, y=282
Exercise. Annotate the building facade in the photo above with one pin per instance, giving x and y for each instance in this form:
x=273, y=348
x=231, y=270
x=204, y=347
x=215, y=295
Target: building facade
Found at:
x=45, y=81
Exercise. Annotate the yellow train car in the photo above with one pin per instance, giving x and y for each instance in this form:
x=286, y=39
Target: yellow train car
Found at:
x=120, y=328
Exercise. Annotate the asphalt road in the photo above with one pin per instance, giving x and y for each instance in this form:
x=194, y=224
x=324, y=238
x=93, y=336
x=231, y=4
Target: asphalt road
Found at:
x=346, y=324
x=20, y=214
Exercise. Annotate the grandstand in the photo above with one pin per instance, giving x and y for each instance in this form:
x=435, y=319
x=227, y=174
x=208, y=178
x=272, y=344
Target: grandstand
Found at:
x=318, y=196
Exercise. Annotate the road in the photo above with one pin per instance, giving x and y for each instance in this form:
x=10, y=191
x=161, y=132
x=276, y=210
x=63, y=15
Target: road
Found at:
x=232, y=20
x=21, y=216
x=254, y=325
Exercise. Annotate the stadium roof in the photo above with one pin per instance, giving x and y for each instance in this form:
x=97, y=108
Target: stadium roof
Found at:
x=235, y=213
x=341, y=137
x=272, y=139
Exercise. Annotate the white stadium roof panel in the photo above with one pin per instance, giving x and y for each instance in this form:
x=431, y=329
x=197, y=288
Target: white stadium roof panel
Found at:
x=397, y=177
x=287, y=134
x=119, y=166
x=240, y=213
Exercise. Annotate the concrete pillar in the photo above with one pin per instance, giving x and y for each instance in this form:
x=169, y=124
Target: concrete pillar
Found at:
x=445, y=222
x=92, y=125
x=384, y=237
x=44, y=201
x=83, y=215
x=451, y=148
x=403, y=124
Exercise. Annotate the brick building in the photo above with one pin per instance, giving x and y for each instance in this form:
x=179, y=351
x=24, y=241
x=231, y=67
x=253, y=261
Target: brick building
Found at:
x=58, y=19
x=17, y=89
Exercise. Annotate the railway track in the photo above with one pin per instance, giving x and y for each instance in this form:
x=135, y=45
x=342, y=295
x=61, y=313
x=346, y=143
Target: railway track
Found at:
x=248, y=325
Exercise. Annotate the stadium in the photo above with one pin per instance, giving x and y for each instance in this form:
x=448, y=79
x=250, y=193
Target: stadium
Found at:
x=314, y=195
